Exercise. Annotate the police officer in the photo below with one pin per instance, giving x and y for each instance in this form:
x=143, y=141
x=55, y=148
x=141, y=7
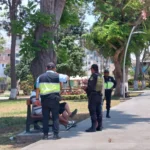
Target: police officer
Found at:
x=110, y=84
x=94, y=92
x=48, y=86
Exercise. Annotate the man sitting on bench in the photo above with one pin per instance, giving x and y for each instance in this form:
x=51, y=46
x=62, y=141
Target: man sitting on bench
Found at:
x=64, y=111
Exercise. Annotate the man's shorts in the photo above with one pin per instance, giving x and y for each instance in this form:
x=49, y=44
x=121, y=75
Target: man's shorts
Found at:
x=62, y=107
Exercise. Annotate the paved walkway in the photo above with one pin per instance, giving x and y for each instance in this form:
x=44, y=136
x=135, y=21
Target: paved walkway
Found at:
x=128, y=129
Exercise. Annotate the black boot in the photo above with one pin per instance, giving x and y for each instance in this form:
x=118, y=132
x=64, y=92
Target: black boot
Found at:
x=92, y=129
x=100, y=126
x=56, y=137
x=107, y=114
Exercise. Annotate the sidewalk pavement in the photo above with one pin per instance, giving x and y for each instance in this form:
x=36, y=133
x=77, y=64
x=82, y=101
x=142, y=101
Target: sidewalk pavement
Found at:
x=128, y=129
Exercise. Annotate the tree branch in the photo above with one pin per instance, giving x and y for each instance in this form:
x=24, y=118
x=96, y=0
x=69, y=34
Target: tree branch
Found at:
x=59, y=7
x=113, y=46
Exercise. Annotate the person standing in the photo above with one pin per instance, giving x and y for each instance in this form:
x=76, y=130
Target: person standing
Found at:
x=48, y=87
x=95, y=92
x=110, y=84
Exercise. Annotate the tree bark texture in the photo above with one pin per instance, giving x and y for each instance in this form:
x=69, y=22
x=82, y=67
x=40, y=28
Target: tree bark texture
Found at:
x=55, y=9
x=118, y=71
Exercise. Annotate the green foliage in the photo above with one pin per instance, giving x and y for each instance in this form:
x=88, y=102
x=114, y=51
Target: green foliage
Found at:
x=27, y=86
x=2, y=79
x=7, y=70
x=29, y=26
x=74, y=97
x=22, y=69
x=2, y=42
x=70, y=57
x=131, y=82
x=111, y=31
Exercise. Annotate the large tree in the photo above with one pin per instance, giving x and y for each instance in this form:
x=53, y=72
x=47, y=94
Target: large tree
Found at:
x=53, y=8
x=111, y=31
x=41, y=27
x=11, y=8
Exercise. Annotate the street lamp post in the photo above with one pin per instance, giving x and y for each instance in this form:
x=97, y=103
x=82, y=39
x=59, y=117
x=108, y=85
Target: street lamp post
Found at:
x=124, y=62
x=125, y=55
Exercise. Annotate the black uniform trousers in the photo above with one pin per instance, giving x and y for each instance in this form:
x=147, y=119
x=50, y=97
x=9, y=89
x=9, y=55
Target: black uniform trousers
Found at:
x=50, y=105
x=95, y=108
x=108, y=93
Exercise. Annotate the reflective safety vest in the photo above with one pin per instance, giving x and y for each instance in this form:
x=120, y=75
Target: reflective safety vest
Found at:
x=108, y=85
x=48, y=88
x=49, y=83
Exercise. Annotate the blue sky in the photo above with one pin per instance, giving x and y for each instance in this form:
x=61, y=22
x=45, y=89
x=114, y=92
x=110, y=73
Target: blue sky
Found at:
x=90, y=19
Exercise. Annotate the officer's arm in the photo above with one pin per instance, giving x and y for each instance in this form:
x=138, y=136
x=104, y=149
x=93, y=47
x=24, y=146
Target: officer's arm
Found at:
x=113, y=80
x=63, y=78
x=37, y=92
x=103, y=89
x=92, y=84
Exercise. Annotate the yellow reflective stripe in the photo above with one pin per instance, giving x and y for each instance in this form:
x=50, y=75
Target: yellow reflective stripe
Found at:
x=47, y=88
x=109, y=85
x=99, y=84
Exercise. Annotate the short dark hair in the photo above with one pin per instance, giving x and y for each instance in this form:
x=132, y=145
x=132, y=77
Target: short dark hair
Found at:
x=51, y=65
x=95, y=67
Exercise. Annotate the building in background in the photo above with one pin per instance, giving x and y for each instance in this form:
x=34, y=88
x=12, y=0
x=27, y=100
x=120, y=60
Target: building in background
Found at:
x=5, y=55
x=92, y=57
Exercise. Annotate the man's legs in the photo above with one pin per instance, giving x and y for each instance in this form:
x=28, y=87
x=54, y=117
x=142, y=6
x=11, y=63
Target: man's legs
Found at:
x=62, y=120
x=55, y=118
x=70, y=114
x=46, y=112
x=99, y=116
x=92, y=111
x=108, y=102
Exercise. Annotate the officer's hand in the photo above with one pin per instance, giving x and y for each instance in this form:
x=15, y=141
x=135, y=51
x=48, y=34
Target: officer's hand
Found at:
x=37, y=103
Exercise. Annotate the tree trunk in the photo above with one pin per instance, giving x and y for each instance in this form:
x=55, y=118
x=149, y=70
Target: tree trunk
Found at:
x=137, y=71
x=13, y=93
x=13, y=17
x=118, y=77
x=53, y=8
x=70, y=88
x=118, y=70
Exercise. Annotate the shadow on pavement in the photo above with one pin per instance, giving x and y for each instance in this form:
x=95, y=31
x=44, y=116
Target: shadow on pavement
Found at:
x=119, y=120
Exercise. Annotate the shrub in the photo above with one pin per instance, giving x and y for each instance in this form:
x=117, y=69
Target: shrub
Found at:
x=27, y=86
x=74, y=97
x=131, y=81
x=83, y=96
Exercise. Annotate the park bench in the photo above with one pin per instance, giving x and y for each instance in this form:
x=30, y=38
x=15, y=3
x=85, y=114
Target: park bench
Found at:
x=31, y=118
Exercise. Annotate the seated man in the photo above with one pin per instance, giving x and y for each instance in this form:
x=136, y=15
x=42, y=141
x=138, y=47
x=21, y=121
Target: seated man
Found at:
x=64, y=111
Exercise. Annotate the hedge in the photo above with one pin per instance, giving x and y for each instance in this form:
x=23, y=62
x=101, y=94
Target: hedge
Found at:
x=74, y=97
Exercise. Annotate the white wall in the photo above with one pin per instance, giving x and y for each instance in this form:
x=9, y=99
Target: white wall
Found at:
x=2, y=70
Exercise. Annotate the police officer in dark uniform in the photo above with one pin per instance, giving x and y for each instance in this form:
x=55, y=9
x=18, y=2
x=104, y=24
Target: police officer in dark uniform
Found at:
x=48, y=86
x=110, y=84
x=94, y=92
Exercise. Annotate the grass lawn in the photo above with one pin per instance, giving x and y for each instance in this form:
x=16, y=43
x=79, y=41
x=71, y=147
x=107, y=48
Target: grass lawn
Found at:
x=13, y=116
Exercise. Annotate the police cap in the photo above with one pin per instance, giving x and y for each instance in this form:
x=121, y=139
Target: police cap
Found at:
x=106, y=71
